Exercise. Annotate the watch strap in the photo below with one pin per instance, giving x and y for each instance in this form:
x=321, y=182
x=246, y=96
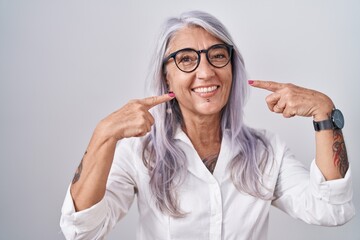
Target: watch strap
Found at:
x=323, y=125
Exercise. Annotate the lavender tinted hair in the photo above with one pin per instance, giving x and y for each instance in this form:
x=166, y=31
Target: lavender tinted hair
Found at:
x=165, y=160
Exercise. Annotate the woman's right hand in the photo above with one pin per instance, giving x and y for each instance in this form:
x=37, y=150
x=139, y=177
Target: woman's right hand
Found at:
x=132, y=120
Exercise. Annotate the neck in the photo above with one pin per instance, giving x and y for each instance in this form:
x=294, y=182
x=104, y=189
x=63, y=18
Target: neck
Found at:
x=205, y=134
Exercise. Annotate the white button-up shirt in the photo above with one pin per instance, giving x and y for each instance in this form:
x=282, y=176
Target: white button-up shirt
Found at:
x=215, y=208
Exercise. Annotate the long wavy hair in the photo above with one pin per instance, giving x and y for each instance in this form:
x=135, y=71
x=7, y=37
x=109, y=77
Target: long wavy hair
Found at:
x=164, y=159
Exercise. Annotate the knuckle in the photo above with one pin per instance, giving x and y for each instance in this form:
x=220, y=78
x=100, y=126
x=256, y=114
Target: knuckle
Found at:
x=288, y=95
x=291, y=104
x=139, y=132
x=270, y=98
x=141, y=121
x=151, y=101
x=134, y=104
x=133, y=101
x=277, y=109
x=289, y=114
x=154, y=99
x=286, y=115
x=290, y=85
x=287, y=89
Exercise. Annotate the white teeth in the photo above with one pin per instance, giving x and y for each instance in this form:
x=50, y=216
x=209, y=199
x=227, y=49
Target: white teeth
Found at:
x=205, y=89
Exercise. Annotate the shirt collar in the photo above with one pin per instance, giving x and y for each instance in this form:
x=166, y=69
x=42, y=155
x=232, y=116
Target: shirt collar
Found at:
x=195, y=164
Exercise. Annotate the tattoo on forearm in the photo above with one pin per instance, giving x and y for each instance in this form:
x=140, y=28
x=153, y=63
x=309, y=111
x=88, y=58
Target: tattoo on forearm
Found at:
x=339, y=153
x=78, y=171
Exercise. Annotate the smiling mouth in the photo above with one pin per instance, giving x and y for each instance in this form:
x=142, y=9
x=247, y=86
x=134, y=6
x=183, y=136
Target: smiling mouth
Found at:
x=205, y=89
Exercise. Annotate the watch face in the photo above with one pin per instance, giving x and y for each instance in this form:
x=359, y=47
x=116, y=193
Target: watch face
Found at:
x=338, y=119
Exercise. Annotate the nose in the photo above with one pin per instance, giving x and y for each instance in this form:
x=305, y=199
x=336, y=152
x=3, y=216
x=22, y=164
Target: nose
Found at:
x=204, y=70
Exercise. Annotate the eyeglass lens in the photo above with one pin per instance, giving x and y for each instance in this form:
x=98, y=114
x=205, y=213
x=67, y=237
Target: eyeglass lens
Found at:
x=187, y=60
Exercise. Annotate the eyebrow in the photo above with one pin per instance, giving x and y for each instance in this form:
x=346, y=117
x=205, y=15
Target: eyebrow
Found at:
x=167, y=52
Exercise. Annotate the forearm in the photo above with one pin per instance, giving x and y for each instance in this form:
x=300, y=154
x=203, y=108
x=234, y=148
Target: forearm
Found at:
x=89, y=182
x=331, y=155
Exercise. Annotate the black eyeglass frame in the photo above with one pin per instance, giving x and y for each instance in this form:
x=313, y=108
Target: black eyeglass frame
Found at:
x=230, y=49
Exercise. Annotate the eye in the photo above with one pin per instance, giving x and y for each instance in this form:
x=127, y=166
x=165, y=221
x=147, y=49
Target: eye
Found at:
x=218, y=54
x=186, y=57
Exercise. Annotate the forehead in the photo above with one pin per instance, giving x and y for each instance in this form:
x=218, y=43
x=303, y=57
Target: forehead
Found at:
x=192, y=37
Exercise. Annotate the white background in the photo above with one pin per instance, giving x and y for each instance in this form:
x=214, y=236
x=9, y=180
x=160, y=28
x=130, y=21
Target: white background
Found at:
x=64, y=65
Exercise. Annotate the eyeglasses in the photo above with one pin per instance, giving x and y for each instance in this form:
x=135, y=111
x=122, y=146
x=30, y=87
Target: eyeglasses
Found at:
x=188, y=59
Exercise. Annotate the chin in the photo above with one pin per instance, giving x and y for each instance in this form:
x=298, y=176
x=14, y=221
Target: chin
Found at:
x=209, y=108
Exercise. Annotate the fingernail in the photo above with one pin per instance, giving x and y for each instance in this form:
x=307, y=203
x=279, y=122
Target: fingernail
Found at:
x=171, y=94
x=250, y=82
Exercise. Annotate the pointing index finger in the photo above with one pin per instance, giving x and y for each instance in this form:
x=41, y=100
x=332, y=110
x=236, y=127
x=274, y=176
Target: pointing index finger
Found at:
x=156, y=100
x=267, y=85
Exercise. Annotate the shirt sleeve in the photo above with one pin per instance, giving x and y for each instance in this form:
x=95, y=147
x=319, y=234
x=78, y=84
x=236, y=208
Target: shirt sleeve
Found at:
x=74, y=224
x=306, y=195
x=97, y=221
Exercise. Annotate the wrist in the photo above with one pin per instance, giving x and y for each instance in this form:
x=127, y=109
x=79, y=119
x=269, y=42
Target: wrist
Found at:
x=103, y=133
x=322, y=116
x=322, y=108
x=324, y=112
x=334, y=121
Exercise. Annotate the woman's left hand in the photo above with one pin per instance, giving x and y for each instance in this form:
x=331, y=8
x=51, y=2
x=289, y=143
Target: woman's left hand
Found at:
x=291, y=100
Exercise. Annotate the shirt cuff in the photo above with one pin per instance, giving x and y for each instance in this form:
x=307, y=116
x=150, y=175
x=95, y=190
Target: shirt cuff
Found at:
x=337, y=191
x=82, y=221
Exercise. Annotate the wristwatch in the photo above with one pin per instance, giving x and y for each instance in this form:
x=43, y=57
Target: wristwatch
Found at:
x=336, y=121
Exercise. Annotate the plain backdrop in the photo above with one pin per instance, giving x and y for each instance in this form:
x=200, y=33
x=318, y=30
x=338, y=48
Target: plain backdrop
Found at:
x=65, y=65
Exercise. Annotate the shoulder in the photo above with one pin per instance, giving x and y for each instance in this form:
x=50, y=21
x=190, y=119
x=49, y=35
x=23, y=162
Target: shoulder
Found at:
x=132, y=145
x=273, y=139
x=277, y=148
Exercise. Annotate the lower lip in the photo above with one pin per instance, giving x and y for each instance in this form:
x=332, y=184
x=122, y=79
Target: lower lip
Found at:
x=207, y=94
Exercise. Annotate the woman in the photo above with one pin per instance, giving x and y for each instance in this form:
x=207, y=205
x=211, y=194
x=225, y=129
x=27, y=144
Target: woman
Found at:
x=198, y=172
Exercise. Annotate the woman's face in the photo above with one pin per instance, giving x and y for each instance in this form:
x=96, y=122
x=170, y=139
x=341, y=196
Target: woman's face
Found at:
x=206, y=90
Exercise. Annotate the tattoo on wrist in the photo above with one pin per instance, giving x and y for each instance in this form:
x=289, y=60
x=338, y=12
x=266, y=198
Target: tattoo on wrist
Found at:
x=339, y=153
x=78, y=171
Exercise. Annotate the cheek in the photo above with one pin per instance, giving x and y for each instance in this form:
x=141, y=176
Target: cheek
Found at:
x=170, y=83
x=177, y=81
x=227, y=84
x=170, y=76
x=228, y=81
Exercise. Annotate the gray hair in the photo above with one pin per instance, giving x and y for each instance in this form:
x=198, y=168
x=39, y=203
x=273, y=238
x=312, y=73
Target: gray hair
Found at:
x=166, y=162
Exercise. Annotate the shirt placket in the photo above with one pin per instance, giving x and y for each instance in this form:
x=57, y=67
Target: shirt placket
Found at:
x=199, y=170
x=215, y=210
